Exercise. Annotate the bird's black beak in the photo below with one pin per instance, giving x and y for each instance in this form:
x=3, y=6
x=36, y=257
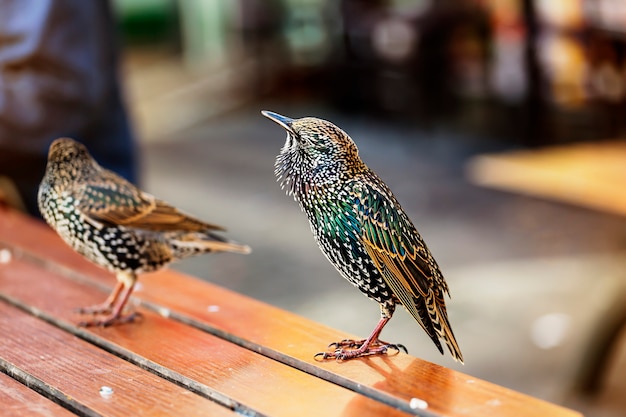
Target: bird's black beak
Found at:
x=284, y=121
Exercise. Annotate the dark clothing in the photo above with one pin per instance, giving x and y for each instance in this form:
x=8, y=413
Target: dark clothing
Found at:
x=58, y=77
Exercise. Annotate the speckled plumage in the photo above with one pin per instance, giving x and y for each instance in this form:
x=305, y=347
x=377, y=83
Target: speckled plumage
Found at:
x=116, y=225
x=363, y=231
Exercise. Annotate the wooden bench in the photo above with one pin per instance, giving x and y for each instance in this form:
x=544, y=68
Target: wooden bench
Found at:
x=197, y=350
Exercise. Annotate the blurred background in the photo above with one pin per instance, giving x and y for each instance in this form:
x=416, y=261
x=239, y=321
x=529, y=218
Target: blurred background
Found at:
x=498, y=124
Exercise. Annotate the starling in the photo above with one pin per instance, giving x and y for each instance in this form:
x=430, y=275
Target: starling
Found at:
x=361, y=228
x=117, y=226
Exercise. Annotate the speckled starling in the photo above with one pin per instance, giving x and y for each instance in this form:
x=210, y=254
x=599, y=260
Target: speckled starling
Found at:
x=116, y=225
x=361, y=228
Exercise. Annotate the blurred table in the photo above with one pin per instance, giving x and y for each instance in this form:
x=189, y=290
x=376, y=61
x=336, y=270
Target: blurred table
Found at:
x=591, y=175
x=197, y=350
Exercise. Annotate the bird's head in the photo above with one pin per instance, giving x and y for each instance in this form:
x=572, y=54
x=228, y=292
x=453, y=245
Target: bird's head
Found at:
x=314, y=146
x=317, y=139
x=66, y=150
x=68, y=159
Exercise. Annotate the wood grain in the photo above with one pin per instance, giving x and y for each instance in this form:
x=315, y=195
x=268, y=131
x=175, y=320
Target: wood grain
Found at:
x=217, y=363
x=79, y=371
x=236, y=373
x=18, y=400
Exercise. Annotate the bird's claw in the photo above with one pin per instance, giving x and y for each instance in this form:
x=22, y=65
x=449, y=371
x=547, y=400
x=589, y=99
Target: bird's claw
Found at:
x=399, y=347
x=350, y=349
x=322, y=356
x=346, y=343
x=338, y=354
x=111, y=320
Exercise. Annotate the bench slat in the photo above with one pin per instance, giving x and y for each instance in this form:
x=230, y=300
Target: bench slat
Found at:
x=19, y=400
x=78, y=370
x=401, y=377
x=251, y=379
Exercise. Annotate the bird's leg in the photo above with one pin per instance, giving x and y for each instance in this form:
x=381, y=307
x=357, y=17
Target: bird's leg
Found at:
x=116, y=317
x=352, y=344
x=106, y=306
x=372, y=340
x=350, y=349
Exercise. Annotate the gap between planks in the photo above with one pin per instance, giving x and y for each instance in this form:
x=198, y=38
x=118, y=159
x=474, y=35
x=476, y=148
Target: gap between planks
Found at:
x=177, y=378
x=47, y=391
x=161, y=371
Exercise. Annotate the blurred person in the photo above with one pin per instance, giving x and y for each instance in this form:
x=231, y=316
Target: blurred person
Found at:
x=58, y=77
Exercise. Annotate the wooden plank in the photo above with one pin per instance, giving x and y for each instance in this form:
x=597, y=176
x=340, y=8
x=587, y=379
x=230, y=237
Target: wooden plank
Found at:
x=253, y=380
x=405, y=379
x=78, y=371
x=446, y=392
x=19, y=400
x=590, y=175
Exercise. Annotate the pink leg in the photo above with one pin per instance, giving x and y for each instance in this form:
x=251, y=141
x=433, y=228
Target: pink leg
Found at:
x=106, y=306
x=116, y=315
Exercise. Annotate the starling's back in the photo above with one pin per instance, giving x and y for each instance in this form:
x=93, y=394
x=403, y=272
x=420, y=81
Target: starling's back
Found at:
x=360, y=226
x=112, y=222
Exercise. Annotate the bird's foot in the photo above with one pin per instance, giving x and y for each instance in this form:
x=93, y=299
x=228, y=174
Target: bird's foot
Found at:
x=356, y=344
x=350, y=349
x=347, y=343
x=111, y=320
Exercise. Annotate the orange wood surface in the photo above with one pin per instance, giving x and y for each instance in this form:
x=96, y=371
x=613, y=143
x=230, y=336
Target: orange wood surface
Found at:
x=273, y=387
x=19, y=400
x=238, y=373
x=78, y=370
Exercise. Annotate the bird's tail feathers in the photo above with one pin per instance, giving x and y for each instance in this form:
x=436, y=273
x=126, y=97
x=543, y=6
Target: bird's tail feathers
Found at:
x=421, y=313
x=229, y=246
x=205, y=242
x=432, y=316
x=452, y=344
x=443, y=329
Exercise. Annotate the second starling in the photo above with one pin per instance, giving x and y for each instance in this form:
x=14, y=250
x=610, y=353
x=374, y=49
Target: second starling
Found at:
x=361, y=228
x=117, y=226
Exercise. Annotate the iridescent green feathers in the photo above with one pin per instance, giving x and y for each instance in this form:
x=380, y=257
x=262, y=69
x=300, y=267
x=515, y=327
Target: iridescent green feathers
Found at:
x=356, y=219
x=406, y=264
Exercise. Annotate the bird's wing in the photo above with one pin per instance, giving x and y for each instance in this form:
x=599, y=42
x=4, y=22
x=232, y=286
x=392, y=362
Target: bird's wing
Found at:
x=404, y=261
x=112, y=200
x=395, y=246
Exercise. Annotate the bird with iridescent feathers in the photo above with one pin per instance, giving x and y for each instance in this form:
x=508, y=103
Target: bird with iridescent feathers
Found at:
x=363, y=231
x=116, y=225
